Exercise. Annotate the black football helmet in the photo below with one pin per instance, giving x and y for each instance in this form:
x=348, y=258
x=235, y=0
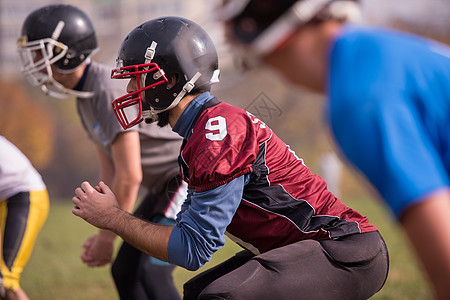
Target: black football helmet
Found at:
x=262, y=25
x=57, y=34
x=158, y=51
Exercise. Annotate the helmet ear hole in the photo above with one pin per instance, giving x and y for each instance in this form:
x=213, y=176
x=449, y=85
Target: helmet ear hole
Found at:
x=173, y=79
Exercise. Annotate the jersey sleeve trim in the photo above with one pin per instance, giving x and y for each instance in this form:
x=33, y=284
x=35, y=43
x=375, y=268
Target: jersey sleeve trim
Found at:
x=212, y=185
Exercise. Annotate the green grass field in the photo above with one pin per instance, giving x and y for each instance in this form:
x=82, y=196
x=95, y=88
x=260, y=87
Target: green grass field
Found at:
x=55, y=270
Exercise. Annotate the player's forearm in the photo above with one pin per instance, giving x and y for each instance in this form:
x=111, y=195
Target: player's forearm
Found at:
x=150, y=238
x=427, y=223
x=126, y=191
x=127, y=178
x=106, y=235
x=122, y=173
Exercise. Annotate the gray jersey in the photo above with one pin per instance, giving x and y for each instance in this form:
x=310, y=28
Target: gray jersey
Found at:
x=159, y=146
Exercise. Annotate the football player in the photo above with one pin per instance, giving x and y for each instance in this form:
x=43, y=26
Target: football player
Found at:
x=56, y=47
x=388, y=106
x=24, y=206
x=300, y=241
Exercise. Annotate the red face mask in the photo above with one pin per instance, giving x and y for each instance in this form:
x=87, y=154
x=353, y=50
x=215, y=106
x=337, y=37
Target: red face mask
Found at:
x=128, y=108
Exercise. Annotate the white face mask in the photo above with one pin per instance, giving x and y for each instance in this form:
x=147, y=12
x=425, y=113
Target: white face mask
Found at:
x=37, y=58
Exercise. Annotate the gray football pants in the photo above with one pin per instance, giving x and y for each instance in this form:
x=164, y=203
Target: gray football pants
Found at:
x=351, y=267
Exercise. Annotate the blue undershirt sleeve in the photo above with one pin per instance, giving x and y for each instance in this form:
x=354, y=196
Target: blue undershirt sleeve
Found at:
x=201, y=225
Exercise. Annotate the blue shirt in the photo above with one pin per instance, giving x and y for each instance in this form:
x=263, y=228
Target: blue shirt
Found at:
x=204, y=216
x=389, y=110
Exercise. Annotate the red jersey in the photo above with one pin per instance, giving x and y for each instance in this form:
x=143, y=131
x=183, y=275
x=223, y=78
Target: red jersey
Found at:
x=283, y=202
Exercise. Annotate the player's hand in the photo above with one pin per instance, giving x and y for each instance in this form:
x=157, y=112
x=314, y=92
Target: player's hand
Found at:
x=96, y=206
x=97, y=251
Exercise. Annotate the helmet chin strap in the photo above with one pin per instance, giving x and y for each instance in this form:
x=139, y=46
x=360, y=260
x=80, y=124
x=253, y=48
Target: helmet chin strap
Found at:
x=151, y=115
x=65, y=93
x=60, y=91
x=148, y=115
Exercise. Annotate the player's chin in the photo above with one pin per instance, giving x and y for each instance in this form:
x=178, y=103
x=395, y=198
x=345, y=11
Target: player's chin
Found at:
x=163, y=118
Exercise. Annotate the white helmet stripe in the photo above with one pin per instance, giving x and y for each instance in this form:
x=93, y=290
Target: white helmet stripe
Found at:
x=58, y=29
x=300, y=12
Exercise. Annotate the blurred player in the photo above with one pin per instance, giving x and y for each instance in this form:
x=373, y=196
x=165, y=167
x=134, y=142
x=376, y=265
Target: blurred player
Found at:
x=389, y=105
x=300, y=240
x=56, y=47
x=24, y=206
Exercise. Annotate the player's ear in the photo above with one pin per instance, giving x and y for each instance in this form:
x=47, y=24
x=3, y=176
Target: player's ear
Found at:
x=172, y=81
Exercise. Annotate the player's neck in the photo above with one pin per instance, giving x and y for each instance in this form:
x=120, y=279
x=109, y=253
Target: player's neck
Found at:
x=69, y=80
x=176, y=112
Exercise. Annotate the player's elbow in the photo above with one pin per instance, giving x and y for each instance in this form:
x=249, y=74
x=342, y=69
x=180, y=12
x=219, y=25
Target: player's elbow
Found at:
x=194, y=259
x=189, y=251
x=194, y=264
x=130, y=179
x=136, y=179
x=192, y=267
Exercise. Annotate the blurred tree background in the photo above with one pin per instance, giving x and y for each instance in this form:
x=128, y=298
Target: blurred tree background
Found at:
x=49, y=133
x=27, y=120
